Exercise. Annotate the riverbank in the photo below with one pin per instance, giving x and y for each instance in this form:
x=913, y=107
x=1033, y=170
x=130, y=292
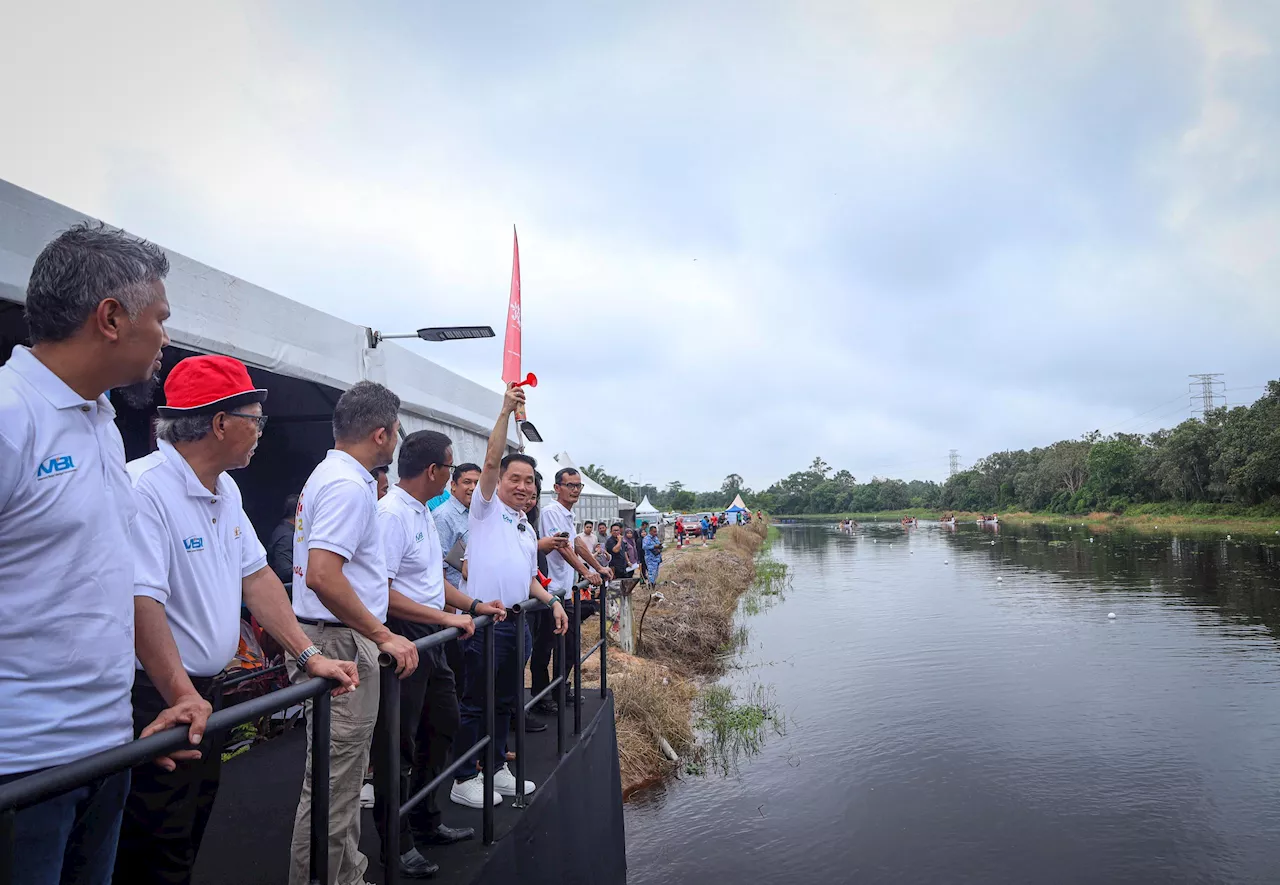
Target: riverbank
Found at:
x=1149, y=522
x=683, y=641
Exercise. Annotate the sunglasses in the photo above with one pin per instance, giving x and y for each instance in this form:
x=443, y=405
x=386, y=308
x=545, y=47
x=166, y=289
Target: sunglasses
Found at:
x=261, y=419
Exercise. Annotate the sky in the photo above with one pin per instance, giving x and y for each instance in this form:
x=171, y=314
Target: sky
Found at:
x=751, y=234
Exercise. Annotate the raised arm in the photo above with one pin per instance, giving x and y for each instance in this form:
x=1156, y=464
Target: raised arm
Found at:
x=498, y=442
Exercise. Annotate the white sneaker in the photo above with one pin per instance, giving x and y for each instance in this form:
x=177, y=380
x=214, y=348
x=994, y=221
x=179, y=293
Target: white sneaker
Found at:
x=470, y=793
x=366, y=796
x=505, y=782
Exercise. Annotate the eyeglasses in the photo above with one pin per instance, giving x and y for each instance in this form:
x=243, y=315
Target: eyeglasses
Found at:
x=572, y=486
x=261, y=419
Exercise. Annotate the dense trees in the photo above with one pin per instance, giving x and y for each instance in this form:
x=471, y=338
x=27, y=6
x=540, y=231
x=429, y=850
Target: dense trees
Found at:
x=1228, y=460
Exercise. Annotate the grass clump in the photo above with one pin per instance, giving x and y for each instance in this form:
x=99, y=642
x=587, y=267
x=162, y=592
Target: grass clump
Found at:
x=733, y=728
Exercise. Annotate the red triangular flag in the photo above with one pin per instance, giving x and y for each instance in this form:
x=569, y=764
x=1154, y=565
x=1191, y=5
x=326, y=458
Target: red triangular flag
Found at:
x=511, y=349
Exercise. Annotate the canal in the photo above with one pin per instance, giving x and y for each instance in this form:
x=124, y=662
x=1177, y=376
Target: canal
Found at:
x=961, y=709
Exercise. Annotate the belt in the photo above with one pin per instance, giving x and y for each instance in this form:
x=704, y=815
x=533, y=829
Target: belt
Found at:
x=208, y=687
x=315, y=622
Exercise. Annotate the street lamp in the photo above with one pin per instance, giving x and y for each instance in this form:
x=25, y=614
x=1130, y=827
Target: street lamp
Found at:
x=435, y=333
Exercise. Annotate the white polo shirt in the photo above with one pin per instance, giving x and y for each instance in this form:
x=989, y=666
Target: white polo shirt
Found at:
x=415, y=563
x=191, y=550
x=66, y=577
x=338, y=512
x=501, y=562
x=557, y=518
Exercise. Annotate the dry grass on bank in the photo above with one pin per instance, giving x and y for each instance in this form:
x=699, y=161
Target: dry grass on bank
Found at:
x=683, y=639
x=694, y=623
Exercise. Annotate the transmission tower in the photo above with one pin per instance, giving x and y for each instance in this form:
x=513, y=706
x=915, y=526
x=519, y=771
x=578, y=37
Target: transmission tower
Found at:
x=955, y=462
x=1205, y=391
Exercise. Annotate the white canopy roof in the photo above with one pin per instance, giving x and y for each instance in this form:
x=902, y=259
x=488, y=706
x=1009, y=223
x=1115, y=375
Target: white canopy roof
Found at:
x=646, y=509
x=737, y=504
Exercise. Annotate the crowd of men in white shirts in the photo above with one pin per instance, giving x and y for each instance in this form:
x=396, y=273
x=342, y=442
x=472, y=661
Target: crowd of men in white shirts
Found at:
x=121, y=584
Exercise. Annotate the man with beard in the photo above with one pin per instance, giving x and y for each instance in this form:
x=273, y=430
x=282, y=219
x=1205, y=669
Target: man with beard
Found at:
x=196, y=557
x=340, y=596
x=95, y=311
x=502, y=565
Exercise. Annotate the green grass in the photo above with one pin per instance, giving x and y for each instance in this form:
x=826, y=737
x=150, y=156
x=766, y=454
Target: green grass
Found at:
x=733, y=728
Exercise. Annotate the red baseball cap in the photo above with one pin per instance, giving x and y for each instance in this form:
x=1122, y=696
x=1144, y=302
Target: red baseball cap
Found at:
x=205, y=384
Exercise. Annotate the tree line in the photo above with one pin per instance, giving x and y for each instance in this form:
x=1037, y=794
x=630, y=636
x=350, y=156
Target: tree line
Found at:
x=1226, y=461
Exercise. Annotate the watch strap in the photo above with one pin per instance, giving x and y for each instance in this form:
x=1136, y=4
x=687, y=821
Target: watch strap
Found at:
x=307, y=654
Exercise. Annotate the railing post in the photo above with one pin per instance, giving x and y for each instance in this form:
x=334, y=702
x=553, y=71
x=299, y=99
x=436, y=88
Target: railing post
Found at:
x=320, y=723
x=558, y=668
x=491, y=747
x=604, y=644
x=518, y=800
x=388, y=784
x=577, y=664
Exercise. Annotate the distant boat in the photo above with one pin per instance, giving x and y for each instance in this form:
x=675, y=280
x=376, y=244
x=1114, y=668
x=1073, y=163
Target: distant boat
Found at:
x=948, y=520
x=993, y=519
x=909, y=520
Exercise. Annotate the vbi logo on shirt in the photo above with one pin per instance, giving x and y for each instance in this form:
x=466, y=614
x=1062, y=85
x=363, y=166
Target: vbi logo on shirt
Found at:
x=420, y=537
x=508, y=519
x=58, y=465
x=193, y=544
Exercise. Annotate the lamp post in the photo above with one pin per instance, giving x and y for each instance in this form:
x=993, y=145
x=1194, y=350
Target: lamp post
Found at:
x=433, y=333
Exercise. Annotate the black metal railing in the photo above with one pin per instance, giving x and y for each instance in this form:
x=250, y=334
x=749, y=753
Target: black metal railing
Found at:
x=51, y=782
x=388, y=782
x=40, y=786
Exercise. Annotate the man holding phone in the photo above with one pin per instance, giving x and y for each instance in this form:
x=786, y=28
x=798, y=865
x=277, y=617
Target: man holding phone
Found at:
x=564, y=565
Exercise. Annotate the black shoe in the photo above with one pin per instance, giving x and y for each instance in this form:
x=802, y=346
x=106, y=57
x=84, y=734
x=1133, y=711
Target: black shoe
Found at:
x=546, y=707
x=443, y=835
x=533, y=726
x=414, y=866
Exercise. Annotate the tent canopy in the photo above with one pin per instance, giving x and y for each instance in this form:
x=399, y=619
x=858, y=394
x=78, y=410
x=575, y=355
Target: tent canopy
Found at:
x=646, y=509
x=737, y=506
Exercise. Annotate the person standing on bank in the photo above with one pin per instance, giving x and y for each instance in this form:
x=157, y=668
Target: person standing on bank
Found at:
x=563, y=564
x=196, y=556
x=95, y=313
x=418, y=595
x=502, y=566
x=616, y=549
x=652, y=555
x=585, y=546
x=340, y=598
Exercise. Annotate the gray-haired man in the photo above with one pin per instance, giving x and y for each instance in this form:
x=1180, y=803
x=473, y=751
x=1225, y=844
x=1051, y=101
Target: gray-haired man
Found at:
x=95, y=310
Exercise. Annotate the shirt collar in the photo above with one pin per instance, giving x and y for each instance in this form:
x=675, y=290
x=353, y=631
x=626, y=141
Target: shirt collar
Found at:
x=50, y=386
x=339, y=455
x=195, y=488
x=418, y=506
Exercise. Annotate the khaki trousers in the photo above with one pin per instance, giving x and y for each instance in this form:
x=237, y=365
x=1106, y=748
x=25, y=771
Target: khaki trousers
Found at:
x=353, y=718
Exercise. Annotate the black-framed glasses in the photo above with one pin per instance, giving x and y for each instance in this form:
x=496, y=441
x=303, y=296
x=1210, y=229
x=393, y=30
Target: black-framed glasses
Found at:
x=261, y=419
x=572, y=486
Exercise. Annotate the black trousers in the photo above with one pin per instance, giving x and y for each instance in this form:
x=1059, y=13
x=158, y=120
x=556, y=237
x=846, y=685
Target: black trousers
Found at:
x=167, y=811
x=428, y=723
x=544, y=643
x=453, y=655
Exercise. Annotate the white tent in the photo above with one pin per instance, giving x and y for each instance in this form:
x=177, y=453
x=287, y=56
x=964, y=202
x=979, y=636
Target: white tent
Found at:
x=595, y=503
x=736, y=505
x=646, y=512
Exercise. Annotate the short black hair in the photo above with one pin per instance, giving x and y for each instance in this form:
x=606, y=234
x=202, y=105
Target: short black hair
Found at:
x=379, y=471
x=459, y=469
x=518, y=456
x=420, y=450
x=291, y=507
x=565, y=471
x=363, y=409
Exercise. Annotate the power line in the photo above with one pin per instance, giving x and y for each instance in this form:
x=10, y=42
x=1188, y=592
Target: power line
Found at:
x=1176, y=399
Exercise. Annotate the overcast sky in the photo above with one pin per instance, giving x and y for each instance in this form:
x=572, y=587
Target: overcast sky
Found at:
x=870, y=231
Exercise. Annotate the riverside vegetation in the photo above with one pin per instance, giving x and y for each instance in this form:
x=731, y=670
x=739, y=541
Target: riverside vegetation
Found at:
x=672, y=715
x=1224, y=466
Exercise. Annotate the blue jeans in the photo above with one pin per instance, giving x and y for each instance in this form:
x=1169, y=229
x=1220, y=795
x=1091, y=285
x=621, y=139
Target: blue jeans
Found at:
x=70, y=839
x=507, y=669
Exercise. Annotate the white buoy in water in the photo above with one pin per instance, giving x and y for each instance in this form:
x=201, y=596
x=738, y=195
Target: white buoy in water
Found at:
x=993, y=543
x=944, y=562
x=1091, y=540
x=1111, y=615
x=1228, y=537
x=913, y=553
x=999, y=580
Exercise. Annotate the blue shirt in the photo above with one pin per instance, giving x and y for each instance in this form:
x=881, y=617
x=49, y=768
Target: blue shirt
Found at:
x=451, y=524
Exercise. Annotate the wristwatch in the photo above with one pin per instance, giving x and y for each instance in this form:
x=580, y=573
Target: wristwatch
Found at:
x=307, y=654
x=472, y=609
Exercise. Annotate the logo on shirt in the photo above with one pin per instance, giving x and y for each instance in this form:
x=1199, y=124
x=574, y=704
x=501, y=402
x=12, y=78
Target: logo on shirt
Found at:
x=55, y=466
x=236, y=533
x=193, y=544
x=508, y=519
x=420, y=537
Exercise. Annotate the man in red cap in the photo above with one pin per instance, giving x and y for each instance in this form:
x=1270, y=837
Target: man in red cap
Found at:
x=196, y=556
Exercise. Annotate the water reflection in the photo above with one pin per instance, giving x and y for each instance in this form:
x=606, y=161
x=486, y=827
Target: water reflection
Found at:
x=961, y=709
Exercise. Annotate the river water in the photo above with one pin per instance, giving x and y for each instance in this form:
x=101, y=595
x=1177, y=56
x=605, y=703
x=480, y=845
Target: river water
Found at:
x=960, y=709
